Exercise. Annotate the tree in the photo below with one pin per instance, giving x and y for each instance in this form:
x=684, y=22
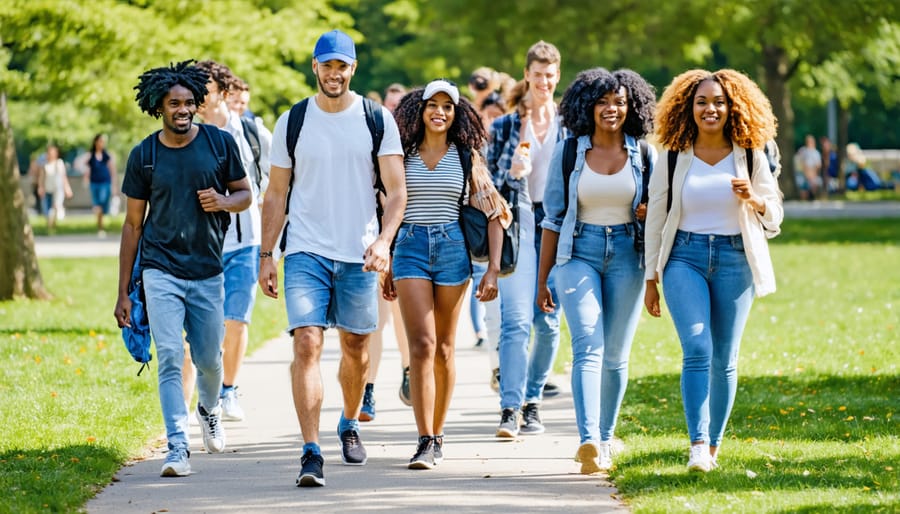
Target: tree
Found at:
x=83, y=57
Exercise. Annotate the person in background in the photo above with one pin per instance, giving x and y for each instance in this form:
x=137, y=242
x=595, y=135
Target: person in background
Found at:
x=438, y=129
x=100, y=174
x=393, y=94
x=809, y=162
x=518, y=155
x=708, y=224
x=593, y=237
x=829, y=165
x=53, y=186
x=482, y=83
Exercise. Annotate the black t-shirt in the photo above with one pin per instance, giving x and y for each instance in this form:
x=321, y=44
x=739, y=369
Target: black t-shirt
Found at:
x=179, y=238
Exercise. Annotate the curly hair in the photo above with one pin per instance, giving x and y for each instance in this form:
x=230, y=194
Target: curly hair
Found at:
x=577, y=106
x=466, y=131
x=155, y=84
x=750, y=119
x=219, y=73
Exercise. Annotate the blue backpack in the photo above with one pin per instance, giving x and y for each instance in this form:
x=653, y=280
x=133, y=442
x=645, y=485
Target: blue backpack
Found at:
x=137, y=337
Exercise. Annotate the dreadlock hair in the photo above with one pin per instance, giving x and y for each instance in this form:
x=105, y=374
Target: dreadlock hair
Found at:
x=466, y=131
x=750, y=119
x=218, y=73
x=155, y=84
x=577, y=106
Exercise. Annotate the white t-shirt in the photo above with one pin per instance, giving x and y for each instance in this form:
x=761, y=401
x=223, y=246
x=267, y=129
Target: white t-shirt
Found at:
x=606, y=199
x=248, y=219
x=708, y=205
x=332, y=205
x=541, y=152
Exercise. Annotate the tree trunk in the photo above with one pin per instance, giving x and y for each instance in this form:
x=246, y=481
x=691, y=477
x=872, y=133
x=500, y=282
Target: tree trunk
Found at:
x=19, y=273
x=777, y=72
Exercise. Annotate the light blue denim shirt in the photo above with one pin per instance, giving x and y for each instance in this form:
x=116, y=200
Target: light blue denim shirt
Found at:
x=565, y=223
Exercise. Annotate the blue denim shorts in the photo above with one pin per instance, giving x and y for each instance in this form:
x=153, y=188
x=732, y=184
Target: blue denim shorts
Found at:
x=100, y=195
x=432, y=252
x=322, y=292
x=241, y=272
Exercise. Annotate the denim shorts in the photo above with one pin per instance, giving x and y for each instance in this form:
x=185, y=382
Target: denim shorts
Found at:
x=432, y=252
x=100, y=195
x=322, y=292
x=241, y=272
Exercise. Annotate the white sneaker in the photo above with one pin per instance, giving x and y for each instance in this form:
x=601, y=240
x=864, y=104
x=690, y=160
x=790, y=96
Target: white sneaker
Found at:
x=605, y=457
x=700, y=460
x=211, y=426
x=231, y=409
x=176, y=464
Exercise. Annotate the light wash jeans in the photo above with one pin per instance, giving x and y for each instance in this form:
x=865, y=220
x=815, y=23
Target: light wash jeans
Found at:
x=195, y=308
x=522, y=381
x=601, y=289
x=708, y=287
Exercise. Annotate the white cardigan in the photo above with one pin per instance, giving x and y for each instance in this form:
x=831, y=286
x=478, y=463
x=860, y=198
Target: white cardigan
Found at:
x=755, y=227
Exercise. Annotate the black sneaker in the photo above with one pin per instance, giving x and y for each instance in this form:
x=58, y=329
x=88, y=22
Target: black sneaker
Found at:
x=509, y=423
x=550, y=390
x=353, y=453
x=438, y=449
x=531, y=419
x=367, y=413
x=311, y=474
x=424, y=457
x=480, y=342
x=404, y=388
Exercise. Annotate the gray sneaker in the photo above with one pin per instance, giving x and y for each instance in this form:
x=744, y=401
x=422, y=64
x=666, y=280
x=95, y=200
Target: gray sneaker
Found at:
x=231, y=409
x=531, y=420
x=177, y=464
x=404, y=388
x=509, y=424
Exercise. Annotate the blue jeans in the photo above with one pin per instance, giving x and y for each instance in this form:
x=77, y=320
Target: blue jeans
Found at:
x=241, y=273
x=322, y=292
x=476, y=307
x=601, y=289
x=708, y=287
x=522, y=381
x=193, y=307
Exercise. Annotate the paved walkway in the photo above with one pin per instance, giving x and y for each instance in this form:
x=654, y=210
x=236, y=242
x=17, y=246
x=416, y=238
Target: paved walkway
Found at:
x=480, y=473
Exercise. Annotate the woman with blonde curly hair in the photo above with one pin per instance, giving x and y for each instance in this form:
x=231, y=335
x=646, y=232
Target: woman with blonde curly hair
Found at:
x=708, y=220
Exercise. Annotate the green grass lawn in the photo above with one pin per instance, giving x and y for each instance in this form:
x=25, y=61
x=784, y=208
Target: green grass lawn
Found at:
x=71, y=407
x=814, y=426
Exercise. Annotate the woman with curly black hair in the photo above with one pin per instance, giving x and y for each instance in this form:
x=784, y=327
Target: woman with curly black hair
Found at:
x=440, y=131
x=708, y=221
x=591, y=232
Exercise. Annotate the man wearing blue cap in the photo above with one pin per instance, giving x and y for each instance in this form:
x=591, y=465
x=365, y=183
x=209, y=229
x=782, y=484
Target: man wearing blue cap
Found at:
x=332, y=244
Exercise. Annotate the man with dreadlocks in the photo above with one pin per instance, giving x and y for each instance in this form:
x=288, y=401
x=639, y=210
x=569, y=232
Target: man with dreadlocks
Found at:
x=190, y=177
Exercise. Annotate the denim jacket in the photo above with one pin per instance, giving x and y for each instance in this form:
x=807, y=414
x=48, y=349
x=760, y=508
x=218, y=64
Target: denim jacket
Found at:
x=566, y=223
x=500, y=152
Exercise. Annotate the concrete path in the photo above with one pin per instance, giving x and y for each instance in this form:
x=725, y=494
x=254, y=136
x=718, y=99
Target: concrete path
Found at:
x=480, y=473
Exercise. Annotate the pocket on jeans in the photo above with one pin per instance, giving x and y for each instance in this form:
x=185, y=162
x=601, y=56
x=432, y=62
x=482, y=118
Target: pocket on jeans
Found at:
x=737, y=242
x=404, y=233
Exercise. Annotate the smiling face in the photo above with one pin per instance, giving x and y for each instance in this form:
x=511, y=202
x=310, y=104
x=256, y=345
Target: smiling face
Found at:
x=439, y=113
x=542, y=80
x=178, y=109
x=333, y=76
x=610, y=111
x=214, y=97
x=710, y=107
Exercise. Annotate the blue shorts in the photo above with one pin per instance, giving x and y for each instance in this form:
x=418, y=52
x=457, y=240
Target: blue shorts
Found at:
x=100, y=195
x=241, y=272
x=321, y=292
x=432, y=252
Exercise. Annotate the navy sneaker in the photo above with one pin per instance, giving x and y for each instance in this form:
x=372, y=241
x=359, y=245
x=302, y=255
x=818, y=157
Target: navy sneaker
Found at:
x=550, y=390
x=353, y=453
x=404, y=388
x=367, y=413
x=424, y=457
x=311, y=474
x=531, y=420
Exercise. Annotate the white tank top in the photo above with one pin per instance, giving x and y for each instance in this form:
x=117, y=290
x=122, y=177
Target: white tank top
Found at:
x=606, y=199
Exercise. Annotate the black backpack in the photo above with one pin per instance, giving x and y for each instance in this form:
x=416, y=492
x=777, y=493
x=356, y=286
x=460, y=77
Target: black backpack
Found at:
x=375, y=123
x=219, y=149
x=251, y=134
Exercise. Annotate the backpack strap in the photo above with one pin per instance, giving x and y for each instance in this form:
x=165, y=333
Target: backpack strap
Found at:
x=673, y=160
x=375, y=122
x=295, y=123
x=251, y=134
x=749, y=152
x=645, y=170
x=570, y=147
x=148, y=147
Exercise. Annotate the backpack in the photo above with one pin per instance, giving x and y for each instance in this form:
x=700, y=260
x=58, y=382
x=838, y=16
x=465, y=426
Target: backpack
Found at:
x=375, y=123
x=570, y=147
x=251, y=134
x=673, y=160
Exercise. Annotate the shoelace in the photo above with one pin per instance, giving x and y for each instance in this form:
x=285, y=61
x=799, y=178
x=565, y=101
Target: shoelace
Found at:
x=531, y=414
x=424, y=442
x=351, y=439
x=367, y=397
x=508, y=415
x=213, y=422
x=308, y=456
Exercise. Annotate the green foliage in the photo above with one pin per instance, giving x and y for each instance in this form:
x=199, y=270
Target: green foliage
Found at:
x=72, y=409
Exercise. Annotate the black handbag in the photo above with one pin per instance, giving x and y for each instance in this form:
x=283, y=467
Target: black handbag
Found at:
x=474, y=225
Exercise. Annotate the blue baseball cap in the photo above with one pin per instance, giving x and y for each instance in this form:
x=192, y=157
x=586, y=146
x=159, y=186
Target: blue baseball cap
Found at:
x=335, y=45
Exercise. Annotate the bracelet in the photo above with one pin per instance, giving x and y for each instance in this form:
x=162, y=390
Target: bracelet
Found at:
x=263, y=255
